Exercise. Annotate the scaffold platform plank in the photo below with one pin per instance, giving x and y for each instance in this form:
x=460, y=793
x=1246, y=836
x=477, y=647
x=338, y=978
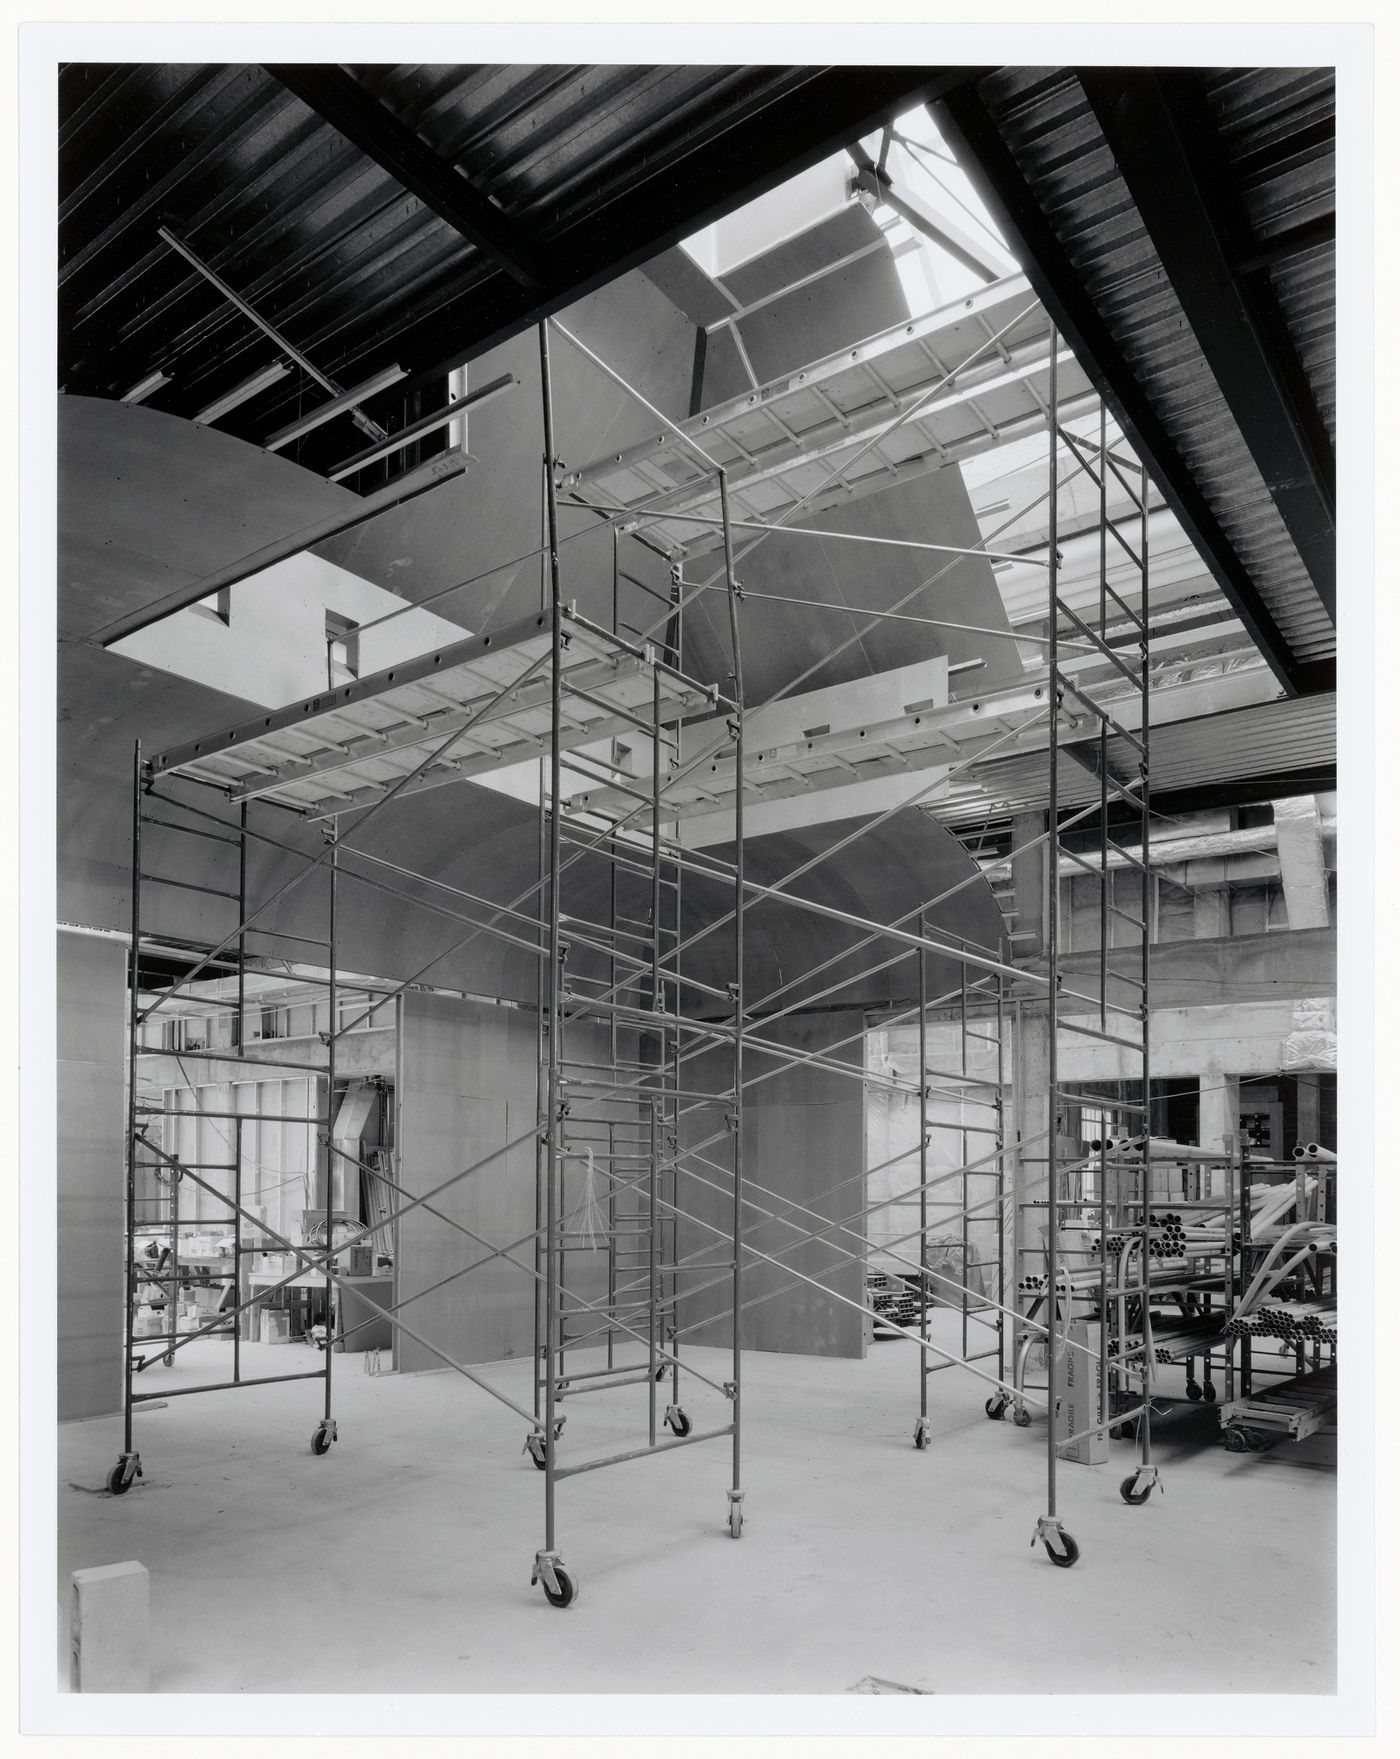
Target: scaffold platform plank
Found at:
x=488, y=695
x=976, y=369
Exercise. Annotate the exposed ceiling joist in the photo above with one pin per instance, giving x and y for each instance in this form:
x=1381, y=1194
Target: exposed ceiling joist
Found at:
x=339, y=99
x=993, y=169
x=1160, y=131
x=676, y=195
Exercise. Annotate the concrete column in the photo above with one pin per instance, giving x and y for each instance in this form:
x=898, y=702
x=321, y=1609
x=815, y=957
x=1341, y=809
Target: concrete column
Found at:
x=1309, y=1109
x=1028, y=871
x=1299, y=830
x=1220, y=1100
x=110, y=1629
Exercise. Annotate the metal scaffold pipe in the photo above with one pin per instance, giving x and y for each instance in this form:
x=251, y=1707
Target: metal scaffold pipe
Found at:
x=554, y=1097
x=736, y=1494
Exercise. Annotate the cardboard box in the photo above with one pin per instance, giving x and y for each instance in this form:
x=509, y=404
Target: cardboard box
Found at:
x=1077, y=1402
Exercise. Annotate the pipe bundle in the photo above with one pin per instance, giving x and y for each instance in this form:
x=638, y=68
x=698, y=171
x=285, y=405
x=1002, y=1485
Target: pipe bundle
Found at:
x=1166, y=1355
x=1070, y=1282
x=1295, y=1323
x=1176, y=1336
x=1169, y=1235
x=1161, y=1148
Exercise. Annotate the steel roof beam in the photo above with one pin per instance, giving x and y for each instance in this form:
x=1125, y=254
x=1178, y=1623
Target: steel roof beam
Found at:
x=340, y=100
x=992, y=168
x=672, y=196
x=1160, y=131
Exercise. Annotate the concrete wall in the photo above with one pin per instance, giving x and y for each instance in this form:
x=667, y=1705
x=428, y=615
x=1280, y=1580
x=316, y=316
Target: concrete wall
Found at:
x=1279, y=964
x=91, y=1177
x=804, y=1131
x=468, y=1088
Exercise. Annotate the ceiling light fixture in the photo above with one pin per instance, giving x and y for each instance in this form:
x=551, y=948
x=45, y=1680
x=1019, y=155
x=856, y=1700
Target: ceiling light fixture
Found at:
x=438, y=419
x=144, y=387
x=269, y=375
x=325, y=412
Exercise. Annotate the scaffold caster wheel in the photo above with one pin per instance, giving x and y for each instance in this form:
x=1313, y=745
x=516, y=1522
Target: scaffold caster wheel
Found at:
x=124, y=1474
x=559, y=1584
x=1021, y=1417
x=534, y=1446
x=1065, y=1559
x=1210, y=1392
x=169, y=1358
x=565, y=1589
x=662, y=1372
x=736, y=1513
x=1234, y=1442
x=1130, y=1491
x=677, y=1421
x=322, y=1436
x=1059, y=1547
x=923, y=1434
x=1193, y=1391
x=995, y=1407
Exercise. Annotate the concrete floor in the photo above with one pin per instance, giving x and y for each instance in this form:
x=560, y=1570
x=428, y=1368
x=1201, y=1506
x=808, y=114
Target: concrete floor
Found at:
x=401, y=1561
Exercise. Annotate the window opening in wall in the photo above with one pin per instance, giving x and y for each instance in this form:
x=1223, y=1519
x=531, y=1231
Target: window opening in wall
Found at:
x=1094, y=1124
x=342, y=649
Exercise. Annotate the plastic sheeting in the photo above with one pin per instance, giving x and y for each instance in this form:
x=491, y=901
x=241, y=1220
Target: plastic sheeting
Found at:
x=1312, y=1044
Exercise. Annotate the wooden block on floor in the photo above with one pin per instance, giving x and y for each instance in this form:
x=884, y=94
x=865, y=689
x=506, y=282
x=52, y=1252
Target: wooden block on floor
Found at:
x=110, y=1629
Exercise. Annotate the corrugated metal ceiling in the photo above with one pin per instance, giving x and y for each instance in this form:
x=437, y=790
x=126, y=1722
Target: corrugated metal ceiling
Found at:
x=589, y=163
x=1046, y=120
x=1276, y=125
x=360, y=273
x=1268, y=740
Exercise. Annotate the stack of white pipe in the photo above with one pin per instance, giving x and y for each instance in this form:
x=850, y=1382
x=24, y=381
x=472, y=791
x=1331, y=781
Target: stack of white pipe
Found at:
x=1162, y=1148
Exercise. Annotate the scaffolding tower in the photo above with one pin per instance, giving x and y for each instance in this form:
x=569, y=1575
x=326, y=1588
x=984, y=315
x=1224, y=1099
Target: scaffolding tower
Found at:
x=891, y=407
x=1091, y=1205
x=629, y=1149
x=605, y=1134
